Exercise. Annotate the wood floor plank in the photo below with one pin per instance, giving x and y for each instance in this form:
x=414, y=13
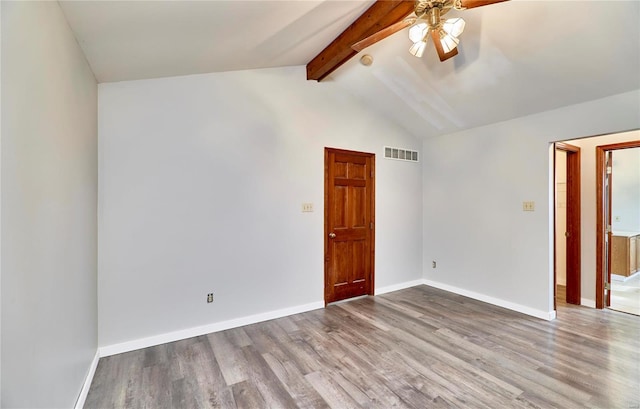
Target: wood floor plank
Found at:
x=117, y=385
x=524, y=377
x=416, y=348
x=230, y=358
x=294, y=382
x=205, y=385
x=247, y=396
x=271, y=389
x=331, y=391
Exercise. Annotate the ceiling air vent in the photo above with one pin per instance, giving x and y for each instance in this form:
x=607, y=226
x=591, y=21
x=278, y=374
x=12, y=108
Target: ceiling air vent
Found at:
x=400, y=154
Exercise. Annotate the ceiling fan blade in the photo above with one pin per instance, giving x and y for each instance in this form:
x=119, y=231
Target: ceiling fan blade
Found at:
x=470, y=4
x=441, y=53
x=382, y=34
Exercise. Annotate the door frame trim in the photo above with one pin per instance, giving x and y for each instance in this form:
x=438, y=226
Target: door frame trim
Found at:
x=371, y=281
x=600, y=216
x=574, y=222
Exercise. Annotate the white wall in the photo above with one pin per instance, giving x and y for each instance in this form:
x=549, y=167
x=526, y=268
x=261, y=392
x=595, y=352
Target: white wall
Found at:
x=588, y=202
x=474, y=185
x=201, y=184
x=625, y=205
x=49, y=200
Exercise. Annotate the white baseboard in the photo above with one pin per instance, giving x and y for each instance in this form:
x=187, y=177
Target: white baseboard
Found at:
x=87, y=382
x=252, y=319
x=396, y=287
x=545, y=315
x=585, y=302
x=204, y=329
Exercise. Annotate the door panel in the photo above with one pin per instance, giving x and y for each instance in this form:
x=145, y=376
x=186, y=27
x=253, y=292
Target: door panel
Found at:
x=341, y=257
x=359, y=209
x=360, y=256
x=608, y=231
x=340, y=207
x=349, y=234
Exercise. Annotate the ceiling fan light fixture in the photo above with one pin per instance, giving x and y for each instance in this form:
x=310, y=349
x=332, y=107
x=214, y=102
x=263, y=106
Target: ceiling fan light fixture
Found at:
x=448, y=41
x=418, y=31
x=417, y=49
x=454, y=26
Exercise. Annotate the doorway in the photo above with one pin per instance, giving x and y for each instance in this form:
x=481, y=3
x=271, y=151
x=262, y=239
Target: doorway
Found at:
x=349, y=224
x=567, y=224
x=607, y=237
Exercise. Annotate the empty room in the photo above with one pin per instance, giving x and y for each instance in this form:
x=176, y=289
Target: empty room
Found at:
x=318, y=204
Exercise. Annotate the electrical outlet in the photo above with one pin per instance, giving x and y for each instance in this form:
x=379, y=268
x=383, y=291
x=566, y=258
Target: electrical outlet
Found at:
x=528, y=206
x=617, y=218
x=209, y=297
x=307, y=207
x=433, y=264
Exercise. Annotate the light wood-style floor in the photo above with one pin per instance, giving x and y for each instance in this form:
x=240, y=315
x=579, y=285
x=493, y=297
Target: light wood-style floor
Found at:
x=625, y=296
x=415, y=348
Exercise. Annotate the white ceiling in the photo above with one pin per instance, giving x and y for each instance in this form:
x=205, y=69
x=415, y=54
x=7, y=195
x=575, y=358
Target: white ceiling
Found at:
x=516, y=58
x=126, y=40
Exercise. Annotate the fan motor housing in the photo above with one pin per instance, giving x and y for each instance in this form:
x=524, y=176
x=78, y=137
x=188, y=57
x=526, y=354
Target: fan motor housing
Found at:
x=424, y=6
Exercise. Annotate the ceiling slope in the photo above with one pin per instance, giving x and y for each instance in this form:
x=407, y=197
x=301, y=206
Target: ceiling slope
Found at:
x=126, y=40
x=515, y=58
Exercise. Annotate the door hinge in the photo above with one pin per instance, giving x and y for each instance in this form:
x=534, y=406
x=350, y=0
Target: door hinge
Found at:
x=608, y=229
x=607, y=286
x=608, y=170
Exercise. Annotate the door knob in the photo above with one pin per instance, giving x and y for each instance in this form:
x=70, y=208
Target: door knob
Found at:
x=332, y=235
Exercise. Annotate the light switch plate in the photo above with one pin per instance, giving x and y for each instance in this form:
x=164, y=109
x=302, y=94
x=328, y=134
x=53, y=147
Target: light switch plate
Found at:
x=307, y=207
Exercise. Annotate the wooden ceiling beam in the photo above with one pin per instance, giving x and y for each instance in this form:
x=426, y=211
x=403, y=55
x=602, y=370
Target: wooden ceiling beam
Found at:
x=380, y=15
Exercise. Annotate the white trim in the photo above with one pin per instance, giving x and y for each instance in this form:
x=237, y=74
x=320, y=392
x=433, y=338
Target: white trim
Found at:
x=396, y=287
x=252, y=319
x=545, y=315
x=585, y=302
x=204, y=329
x=87, y=382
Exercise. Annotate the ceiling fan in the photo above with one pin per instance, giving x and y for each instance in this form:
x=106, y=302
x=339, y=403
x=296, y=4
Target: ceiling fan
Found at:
x=427, y=21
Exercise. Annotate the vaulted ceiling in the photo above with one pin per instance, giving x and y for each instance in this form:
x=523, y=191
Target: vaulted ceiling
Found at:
x=515, y=58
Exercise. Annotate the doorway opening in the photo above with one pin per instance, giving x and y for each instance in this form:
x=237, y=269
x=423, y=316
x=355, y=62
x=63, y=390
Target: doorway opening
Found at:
x=567, y=254
x=617, y=245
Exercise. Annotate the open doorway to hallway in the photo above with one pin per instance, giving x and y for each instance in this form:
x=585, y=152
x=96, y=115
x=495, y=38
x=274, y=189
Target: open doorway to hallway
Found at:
x=592, y=222
x=618, y=171
x=567, y=224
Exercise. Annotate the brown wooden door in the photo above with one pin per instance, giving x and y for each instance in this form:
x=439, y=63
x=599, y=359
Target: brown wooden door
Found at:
x=572, y=233
x=349, y=224
x=574, y=256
